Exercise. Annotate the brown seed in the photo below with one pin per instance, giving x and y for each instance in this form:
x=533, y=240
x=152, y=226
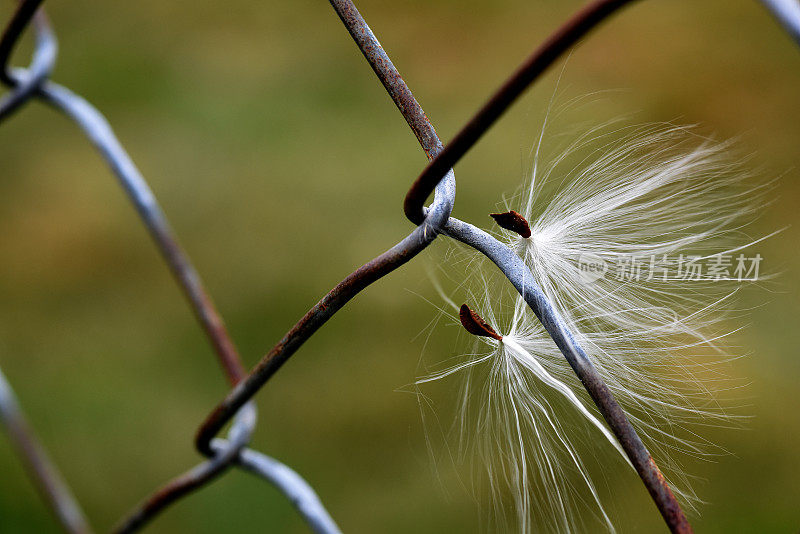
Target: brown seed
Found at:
x=511, y=220
x=474, y=324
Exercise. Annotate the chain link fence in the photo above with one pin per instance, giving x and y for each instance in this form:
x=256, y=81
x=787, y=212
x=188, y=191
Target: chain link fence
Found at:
x=431, y=222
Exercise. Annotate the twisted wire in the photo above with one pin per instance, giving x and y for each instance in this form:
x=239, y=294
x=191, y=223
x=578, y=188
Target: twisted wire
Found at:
x=437, y=177
x=27, y=83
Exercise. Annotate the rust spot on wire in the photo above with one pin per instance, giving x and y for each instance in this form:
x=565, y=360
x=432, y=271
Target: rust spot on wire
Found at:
x=474, y=324
x=389, y=76
x=511, y=220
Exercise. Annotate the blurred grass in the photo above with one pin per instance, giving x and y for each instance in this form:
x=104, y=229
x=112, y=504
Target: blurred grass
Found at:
x=282, y=165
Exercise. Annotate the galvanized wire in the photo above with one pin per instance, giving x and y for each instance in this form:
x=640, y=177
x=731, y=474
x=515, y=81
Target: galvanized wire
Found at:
x=32, y=82
x=787, y=12
x=437, y=177
x=44, y=58
x=46, y=477
x=293, y=486
x=239, y=435
x=511, y=265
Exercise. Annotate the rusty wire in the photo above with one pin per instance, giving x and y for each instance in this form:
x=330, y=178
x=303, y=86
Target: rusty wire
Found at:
x=553, y=47
x=198, y=476
x=437, y=177
x=511, y=265
x=32, y=82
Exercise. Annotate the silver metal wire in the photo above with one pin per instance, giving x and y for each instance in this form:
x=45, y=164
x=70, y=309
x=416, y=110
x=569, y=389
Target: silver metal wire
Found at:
x=787, y=12
x=47, y=478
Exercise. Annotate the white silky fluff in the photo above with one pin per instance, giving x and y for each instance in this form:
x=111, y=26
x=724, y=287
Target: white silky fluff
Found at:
x=650, y=191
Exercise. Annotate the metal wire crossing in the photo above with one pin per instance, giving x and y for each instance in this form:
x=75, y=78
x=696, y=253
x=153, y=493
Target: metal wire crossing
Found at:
x=437, y=178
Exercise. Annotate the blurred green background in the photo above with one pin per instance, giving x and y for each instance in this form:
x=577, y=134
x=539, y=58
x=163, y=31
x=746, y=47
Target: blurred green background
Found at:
x=282, y=165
